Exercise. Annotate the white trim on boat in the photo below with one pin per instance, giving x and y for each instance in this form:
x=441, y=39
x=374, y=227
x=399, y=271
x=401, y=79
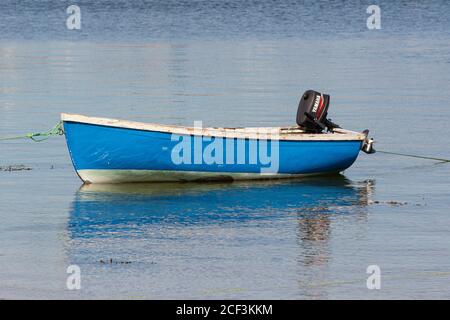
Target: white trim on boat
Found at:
x=128, y=176
x=282, y=133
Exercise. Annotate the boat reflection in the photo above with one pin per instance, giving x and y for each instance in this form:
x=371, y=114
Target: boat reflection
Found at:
x=315, y=226
x=208, y=226
x=99, y=210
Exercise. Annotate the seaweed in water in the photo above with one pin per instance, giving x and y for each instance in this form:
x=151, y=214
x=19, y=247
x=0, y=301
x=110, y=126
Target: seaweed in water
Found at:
x=110, y=261
x=18, y=167
x=390, y=202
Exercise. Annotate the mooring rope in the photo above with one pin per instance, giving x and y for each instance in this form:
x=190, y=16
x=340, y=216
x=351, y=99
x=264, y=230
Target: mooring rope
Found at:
x=414, y=156
x=57, y=130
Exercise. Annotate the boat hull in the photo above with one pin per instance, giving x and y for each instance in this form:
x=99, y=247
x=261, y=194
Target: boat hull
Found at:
x=128, y=176
x=108, y=154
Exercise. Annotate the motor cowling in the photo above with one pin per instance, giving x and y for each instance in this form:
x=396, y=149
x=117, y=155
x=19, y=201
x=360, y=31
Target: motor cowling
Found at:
x=312, y=112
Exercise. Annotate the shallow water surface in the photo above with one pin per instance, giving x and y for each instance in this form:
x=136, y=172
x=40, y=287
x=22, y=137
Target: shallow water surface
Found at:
x=227, y=63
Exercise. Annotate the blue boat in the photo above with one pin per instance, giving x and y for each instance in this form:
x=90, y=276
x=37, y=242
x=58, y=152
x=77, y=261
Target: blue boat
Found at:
x=117, y=151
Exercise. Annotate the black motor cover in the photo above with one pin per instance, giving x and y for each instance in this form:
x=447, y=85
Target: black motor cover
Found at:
x=312, y=111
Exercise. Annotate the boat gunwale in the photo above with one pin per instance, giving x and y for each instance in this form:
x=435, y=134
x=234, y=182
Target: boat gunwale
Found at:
x=281, y=133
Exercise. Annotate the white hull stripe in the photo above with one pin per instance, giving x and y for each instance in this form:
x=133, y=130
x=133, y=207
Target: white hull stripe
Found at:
x=124, y=176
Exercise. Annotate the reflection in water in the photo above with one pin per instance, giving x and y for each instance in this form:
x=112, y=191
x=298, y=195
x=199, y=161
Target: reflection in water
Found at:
x=315, y=228
x=216, y=226
x=315, y=221
x=99, y=210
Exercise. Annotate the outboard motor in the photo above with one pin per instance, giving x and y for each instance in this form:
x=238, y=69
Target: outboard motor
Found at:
x=312, y=112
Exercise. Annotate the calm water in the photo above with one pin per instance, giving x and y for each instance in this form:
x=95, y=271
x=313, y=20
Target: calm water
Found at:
x=227, y=63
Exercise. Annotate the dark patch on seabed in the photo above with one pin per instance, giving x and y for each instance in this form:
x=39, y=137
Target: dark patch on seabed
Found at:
x=391, y=203
x=15, y=167
x=111, y=261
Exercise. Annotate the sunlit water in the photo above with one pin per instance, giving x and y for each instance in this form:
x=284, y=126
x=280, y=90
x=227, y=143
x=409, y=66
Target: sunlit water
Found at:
x=232, y=64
